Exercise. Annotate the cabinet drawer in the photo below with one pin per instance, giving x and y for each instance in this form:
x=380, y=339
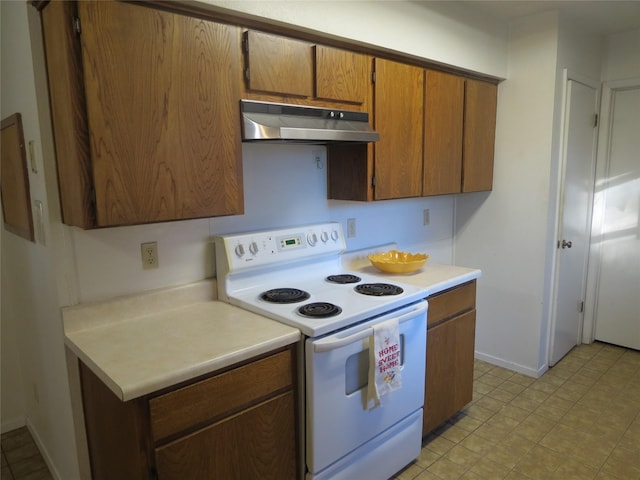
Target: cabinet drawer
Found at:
x=225, y=393
x=259, y=443
x=451, y=302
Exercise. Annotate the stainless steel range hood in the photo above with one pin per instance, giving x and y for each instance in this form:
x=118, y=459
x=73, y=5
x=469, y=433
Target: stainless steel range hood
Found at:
x=279, y=122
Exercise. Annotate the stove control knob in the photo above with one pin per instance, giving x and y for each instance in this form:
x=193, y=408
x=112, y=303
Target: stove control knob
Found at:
x=253, y=248
x=334, y=235
x=239, y=250
x=324, y=236
x=312, y=239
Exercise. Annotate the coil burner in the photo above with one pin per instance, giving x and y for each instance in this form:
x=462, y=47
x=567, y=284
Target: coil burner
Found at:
x=343, y=278
x=378, y=289
x=319, y=310
x=285, y=295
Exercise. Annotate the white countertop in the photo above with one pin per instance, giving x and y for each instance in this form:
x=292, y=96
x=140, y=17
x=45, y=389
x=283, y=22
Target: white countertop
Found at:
x=142, y=343
x=432, y=277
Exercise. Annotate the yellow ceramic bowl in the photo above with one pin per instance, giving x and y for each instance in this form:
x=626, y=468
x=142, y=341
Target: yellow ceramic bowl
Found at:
x=394, y=261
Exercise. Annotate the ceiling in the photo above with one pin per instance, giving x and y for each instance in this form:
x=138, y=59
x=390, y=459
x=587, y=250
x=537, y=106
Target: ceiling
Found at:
x=600, y=16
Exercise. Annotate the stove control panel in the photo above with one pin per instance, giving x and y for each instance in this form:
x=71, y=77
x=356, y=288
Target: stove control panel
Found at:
x=261, y=248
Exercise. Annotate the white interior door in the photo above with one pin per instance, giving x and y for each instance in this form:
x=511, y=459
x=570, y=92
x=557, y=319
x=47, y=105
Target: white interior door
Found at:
x=617, y=312
x=578, y=157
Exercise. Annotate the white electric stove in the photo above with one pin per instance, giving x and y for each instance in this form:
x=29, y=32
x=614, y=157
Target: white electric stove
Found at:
x=295, y=276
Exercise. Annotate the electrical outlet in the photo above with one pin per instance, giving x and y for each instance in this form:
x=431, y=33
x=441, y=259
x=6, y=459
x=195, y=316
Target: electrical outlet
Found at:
x=425, y=216
x=149, y=254
x=351, y=227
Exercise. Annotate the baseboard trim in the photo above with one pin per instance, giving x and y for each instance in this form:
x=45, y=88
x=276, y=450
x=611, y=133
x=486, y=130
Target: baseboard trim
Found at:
x=516, y=367
x=43, y=451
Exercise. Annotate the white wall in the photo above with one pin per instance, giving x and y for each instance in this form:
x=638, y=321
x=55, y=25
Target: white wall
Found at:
x=504, y=233
x=34, y=382
x=72, y=265
x=622, y=56
x=441, y=31
x=511, y=233
x=282, y=184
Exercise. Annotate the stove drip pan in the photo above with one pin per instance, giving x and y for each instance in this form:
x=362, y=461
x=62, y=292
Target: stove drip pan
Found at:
x=378, y=289
x=319, y=310
x=343, y=278
x=284, y=295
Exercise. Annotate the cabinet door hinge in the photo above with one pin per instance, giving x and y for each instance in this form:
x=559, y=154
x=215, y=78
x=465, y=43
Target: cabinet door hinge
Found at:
x=76, y=25
x=595, y=120
x=246, y=74
x=373, y=77
x=373, y=181
x=580, y=306
x=94, y=202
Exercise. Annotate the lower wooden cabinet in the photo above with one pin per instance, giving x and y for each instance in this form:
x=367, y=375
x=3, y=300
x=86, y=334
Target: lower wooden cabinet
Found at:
x=450, y=354
x=259, y=443
x=238, y=424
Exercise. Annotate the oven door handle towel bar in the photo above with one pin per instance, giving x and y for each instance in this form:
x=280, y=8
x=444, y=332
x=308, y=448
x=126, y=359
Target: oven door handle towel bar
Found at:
x=326, y=346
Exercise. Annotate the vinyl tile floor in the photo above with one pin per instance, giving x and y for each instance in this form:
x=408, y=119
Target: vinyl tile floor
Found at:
x=21, y=459
x=578, y=421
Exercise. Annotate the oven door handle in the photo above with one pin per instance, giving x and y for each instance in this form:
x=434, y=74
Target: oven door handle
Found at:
x=321, y=346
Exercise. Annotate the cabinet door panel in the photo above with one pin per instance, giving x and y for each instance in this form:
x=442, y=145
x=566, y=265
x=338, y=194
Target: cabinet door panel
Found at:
x=479, y=135
x=116, y=431
x=257, y=443
x=162, y=101
x=450, y=357
x=68, y=114
x=444, y=107
x=399, y=107
x=279, y=64
x=341, y=75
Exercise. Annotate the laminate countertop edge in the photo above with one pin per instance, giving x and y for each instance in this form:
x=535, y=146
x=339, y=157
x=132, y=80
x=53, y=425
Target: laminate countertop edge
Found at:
x=137, y=348
x=143, y=343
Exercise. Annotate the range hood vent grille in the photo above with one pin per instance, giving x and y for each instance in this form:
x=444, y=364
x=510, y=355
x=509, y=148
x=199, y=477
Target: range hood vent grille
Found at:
x=279, y=122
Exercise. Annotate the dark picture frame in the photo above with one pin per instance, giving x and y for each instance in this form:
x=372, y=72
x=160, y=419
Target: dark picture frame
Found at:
x=14, y=179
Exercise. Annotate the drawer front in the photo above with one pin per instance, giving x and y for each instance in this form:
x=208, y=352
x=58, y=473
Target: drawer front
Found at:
x=260, y=444
x=450, y=303
x=203, y=401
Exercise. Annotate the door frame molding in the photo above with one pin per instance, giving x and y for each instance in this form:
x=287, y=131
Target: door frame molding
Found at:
x=569, y=75
x=607, y=103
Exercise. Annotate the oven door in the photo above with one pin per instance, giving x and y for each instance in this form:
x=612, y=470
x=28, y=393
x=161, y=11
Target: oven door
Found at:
x=339, y=424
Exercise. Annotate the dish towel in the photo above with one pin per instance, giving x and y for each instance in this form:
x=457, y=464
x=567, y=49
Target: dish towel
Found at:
x=384, y=361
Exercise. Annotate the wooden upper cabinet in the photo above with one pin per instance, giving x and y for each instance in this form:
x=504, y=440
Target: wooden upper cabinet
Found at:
x=479, y=135
x=68, y=114
x=342, y=75
x=279, y=65
x=399, y=109
x=283, y=69
x=161, y=94
x=444, y=113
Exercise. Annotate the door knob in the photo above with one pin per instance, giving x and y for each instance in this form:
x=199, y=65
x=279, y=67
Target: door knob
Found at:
x=566, y=244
